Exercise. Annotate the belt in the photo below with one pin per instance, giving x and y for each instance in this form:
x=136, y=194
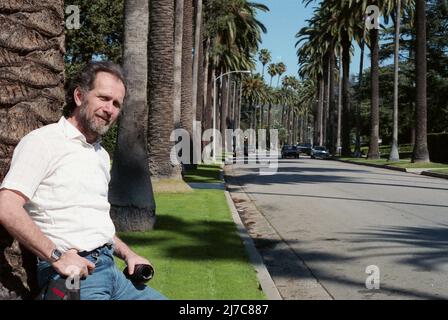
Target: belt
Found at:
x=96, y=250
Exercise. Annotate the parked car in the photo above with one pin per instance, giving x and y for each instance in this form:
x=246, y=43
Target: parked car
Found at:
x=320, y=153
x=304, y=148
x=290, y=151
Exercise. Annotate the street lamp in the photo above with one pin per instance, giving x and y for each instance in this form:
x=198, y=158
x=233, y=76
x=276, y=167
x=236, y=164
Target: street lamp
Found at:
x=215, y=93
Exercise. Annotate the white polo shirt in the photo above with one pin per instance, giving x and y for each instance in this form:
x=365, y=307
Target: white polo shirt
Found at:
x=66, y=180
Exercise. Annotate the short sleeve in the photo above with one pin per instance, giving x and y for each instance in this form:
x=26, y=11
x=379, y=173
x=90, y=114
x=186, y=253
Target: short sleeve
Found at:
x=29, y=166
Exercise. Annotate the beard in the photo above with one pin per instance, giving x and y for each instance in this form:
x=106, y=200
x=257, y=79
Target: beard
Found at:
x=89, y=123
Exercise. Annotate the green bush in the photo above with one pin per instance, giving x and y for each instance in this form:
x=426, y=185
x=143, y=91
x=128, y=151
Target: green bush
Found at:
x=438, y=147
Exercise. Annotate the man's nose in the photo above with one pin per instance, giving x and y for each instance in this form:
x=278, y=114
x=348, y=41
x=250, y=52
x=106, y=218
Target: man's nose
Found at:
x=109, y=108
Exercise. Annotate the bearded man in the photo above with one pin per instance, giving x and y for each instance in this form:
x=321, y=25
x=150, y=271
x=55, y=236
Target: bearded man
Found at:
x=54, y=197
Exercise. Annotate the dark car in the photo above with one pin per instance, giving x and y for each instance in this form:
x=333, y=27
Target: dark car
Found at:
x=290, y=151
x=320, y=153
x=304, y=148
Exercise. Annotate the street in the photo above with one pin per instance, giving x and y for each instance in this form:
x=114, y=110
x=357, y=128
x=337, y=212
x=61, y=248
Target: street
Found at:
x=341, y=218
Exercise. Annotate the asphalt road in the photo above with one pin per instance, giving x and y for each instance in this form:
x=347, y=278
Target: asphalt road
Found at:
x=341, y=218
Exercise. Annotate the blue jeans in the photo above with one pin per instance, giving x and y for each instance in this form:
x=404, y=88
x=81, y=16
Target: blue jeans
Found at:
x=107, y=282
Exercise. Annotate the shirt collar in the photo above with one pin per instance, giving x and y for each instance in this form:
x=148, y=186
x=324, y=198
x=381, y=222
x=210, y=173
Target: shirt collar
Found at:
x=71, y=132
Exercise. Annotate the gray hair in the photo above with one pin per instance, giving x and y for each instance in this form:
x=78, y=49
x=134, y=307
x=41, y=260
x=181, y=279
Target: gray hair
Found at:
x=86, y=78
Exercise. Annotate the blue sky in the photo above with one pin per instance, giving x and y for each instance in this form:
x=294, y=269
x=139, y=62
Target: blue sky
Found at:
x=283, y=21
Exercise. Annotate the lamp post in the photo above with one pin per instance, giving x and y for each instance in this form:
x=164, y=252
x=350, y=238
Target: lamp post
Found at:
x=215, y=98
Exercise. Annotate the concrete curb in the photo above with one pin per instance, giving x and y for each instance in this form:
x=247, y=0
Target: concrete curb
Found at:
x=266, y=282
x=435, y=174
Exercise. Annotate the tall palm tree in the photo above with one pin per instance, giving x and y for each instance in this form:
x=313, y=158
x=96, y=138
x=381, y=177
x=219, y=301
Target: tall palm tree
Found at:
x=160, y=89
x=254, y=91
x=130, y=191
x=31, y=95
x=272, y=70
x=264, y=57
x=281, y=69
x=420, y=153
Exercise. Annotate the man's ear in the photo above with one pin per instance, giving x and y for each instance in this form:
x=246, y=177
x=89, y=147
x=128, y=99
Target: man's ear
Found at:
x=78, y=96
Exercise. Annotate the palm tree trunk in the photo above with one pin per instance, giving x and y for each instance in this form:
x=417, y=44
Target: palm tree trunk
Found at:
x=375, y=107
x=394, y=154
x=224, y=103
x=187, y=68
x=234, y=107
x=161, y=89
x=178, y=36
x=208, y=88
x=196, y=58
x=240, y=100
x=420, y=153
x=358, y=105
x=339, y=110
x=130, y=191
x=320, y=112
x=346, y=128
x=202, y=76
x=31, y=95
x=326, y=101
x=332, y=106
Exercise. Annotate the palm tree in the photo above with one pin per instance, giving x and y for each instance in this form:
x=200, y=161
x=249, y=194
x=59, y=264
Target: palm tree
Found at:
x=130, y=191
x=160, y=89
x=264, y=57
x=420, y=153
x=254, y=91
x=31, y=95
x=281, y=69
x=272, y=70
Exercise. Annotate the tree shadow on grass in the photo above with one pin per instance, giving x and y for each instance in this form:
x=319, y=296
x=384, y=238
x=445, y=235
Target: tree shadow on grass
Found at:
x=196, y=240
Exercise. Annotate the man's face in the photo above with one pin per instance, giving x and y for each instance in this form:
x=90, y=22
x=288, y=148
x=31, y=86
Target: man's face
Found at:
x=100, y=106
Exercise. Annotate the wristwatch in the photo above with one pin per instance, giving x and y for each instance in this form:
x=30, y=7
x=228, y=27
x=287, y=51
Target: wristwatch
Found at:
x=56, y=254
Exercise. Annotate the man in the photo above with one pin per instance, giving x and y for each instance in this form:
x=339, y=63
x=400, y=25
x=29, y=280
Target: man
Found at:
x=54, y=197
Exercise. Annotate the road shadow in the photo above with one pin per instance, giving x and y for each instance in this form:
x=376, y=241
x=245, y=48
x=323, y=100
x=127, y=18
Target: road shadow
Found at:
x=424, y=248
x=295, y=175
x=284, y=262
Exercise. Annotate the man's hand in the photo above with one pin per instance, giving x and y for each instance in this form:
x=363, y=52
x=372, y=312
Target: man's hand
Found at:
x=71, y=261
x=135, y=259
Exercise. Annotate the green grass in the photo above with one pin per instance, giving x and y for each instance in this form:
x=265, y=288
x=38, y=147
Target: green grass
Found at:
x=196, y=250
x=422, y=165
x=204, y=173
x=443, y=171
